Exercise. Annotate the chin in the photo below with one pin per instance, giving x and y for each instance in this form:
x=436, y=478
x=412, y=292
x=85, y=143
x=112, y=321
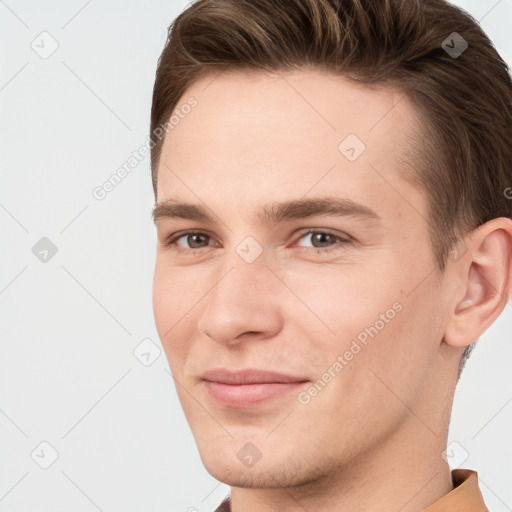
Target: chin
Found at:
x=235, y=475
x=269, y=472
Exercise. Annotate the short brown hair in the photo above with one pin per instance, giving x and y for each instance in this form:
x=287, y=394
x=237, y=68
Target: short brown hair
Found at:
x=462, y=157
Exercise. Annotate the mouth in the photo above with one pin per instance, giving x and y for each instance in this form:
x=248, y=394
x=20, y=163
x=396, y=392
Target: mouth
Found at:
x=248, y=388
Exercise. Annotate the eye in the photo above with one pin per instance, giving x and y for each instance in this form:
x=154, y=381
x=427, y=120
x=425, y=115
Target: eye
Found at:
x=322, y=236
x=193, y=238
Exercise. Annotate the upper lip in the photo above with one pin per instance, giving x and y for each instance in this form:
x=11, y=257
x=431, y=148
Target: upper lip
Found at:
x=248, y=376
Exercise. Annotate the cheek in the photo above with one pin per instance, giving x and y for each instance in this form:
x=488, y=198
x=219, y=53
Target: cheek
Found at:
x=370, y=318
x=401, y=337
x=175, y=291
x=171, y=309
x=343, y=300
x=163, y=300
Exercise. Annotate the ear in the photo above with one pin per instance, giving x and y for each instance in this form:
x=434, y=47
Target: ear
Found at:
x=482, y=280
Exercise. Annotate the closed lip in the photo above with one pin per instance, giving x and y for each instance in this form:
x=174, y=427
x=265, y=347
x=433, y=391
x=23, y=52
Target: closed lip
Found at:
x=249, y=376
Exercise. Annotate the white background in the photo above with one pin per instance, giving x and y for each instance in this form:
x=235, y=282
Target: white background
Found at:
x=68, y=327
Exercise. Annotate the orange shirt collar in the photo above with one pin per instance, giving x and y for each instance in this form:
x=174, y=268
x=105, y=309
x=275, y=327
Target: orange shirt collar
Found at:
x=465, y=496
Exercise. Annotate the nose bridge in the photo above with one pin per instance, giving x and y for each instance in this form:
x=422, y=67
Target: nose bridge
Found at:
x=241, y=299
x=244, y=275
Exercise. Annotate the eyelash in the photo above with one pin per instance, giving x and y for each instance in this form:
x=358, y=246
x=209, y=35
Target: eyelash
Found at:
x=171, y=242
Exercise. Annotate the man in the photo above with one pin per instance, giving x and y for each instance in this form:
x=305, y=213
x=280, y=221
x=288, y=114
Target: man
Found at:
x=334, y=233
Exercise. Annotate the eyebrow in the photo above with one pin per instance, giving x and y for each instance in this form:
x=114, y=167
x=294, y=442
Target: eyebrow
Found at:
x=273, y=213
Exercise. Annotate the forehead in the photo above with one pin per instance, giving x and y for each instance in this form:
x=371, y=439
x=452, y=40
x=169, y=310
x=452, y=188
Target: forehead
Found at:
x=255, y=136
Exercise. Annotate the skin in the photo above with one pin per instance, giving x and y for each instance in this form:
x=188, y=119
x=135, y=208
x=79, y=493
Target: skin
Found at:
x=373, y=437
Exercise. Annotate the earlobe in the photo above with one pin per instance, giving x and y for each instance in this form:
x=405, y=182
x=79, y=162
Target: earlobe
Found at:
x=483, y=282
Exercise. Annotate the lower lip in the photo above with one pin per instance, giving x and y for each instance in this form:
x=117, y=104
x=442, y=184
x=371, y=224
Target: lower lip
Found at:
x=248, y=395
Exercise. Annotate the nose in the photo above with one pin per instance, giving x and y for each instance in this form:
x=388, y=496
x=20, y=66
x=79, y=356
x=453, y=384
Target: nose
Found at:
x=243, y=303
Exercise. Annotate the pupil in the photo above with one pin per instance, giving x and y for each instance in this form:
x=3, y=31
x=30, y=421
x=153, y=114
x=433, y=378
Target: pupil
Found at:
x=320, y=235
x=193, y=236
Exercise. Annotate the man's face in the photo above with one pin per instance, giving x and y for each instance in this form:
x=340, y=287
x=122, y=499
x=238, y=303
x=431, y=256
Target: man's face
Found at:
x=358, y=290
